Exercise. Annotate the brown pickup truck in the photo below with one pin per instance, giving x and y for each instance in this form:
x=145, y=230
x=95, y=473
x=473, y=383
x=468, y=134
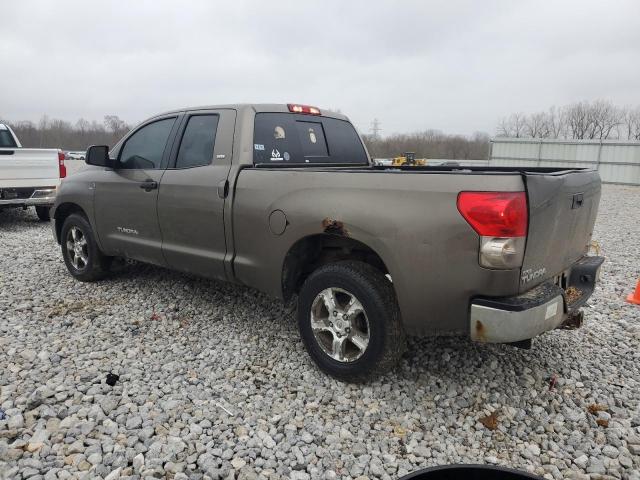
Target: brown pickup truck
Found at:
x=284, y=198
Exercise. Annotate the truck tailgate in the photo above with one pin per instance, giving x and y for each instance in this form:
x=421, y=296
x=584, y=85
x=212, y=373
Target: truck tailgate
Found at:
x=28, y=167
x=562, y=213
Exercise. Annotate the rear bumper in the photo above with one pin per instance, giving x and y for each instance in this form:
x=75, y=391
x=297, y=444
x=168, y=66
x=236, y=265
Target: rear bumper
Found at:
x=40, y=196
x=543, y=308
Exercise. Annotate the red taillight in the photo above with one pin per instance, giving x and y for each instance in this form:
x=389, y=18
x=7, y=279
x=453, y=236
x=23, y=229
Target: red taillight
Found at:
x=303, y=109
x=62, y=170
x=495, y=214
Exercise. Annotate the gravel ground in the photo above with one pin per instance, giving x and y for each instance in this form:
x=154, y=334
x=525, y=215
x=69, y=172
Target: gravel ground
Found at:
x=214, y=382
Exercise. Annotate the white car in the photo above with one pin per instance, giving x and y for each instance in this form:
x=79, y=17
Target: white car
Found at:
x=76, y=155
x=28, y=176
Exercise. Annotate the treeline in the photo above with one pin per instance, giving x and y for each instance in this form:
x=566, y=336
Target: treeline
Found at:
x=598, y=120
x=55, y=133
x=430, y=144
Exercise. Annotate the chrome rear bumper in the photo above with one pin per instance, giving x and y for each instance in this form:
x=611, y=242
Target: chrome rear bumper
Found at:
x=495, y=325
x=543, y=308
x=41, y=196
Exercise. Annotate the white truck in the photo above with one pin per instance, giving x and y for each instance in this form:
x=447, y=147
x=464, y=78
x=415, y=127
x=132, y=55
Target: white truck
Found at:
x=28, y=176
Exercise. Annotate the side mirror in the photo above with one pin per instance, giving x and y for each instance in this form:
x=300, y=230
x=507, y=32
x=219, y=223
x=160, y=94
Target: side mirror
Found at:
x=98, y=155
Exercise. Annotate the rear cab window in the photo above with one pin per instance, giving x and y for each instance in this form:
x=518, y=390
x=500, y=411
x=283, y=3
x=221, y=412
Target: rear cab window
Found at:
x=298, y=139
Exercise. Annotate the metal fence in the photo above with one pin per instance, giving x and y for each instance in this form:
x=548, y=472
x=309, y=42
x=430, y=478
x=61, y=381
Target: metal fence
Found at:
x=617, y=161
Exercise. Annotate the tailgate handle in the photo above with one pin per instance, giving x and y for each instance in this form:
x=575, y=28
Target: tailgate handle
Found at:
x=578, y=200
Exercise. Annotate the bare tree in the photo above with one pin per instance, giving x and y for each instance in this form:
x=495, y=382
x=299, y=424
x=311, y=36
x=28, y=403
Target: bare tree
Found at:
x=631, y=123
x=513, y=126
x=582, y=120
x=429, y=144
x=578, y=120
x=604, y=119
x=536, y=125
x=43, y=126
x=556, y=123
x=115, y=125
x=56, y=133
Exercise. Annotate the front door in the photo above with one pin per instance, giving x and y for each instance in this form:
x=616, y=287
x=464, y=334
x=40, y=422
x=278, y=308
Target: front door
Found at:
x=126, y=197
x=193, y=191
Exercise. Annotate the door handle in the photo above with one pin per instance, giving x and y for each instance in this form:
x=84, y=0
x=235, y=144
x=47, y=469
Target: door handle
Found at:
x=223, y=189
x=149, y=185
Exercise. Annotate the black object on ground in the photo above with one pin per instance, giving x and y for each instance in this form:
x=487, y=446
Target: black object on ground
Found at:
x=112, y=378
x=469, y=472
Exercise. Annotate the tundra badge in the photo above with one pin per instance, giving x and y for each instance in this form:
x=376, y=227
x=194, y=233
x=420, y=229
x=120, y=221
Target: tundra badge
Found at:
x=529, y=274
x=130, y=231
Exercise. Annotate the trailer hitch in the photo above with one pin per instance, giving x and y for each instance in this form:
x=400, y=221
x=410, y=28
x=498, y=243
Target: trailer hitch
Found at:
x=574, y=320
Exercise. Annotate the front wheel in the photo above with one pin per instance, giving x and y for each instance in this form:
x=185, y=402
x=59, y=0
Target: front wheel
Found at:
x=349, y=321
x=81, y=254
x=43, y=213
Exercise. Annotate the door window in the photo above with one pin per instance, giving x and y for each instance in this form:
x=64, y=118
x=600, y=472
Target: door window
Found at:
x=198, y=140
x=144, y=149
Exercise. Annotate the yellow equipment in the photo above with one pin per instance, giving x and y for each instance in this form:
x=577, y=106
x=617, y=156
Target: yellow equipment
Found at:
x=408, y=158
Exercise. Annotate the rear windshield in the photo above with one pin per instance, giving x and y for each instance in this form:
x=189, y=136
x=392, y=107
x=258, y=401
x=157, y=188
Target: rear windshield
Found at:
x=288, y=138
x=6, y=139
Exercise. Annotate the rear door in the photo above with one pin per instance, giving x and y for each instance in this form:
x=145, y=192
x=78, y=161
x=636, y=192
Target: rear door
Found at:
x=193, y=192
x=126, y=197
x=562, y=214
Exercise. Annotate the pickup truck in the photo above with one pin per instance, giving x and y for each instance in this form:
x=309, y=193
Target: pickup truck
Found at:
x=28, y=176
x=284, y=198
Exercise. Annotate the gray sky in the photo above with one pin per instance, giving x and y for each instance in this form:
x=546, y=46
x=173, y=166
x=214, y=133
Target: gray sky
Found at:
x=457, y=66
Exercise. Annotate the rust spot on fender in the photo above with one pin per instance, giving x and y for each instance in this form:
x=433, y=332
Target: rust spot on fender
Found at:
x=336, y=227
x=480, y=331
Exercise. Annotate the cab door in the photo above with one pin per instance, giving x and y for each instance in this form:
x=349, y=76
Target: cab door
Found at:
x=193, y=192
x=126, y=197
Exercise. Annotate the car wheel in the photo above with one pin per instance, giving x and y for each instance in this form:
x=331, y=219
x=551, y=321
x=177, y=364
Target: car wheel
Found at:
x=43, y=213
x=80, y=251
x=349, y=321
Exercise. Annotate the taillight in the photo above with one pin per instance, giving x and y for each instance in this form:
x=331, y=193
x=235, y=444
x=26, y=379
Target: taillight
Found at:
x=62, y=169
x=500, y=218
x=495, y=214
x=309, y=110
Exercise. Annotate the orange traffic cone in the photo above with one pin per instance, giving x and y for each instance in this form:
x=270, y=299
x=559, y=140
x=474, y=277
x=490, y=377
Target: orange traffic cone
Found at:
x=635, y=296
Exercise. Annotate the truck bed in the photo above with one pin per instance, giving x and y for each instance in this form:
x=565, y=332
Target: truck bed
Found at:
x=409, y=217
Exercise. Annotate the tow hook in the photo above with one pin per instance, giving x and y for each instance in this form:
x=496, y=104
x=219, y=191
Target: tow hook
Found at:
x=573, y=321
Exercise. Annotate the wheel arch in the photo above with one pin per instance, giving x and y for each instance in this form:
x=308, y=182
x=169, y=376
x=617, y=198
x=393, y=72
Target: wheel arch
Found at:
x=62, y=212
x=312, y=251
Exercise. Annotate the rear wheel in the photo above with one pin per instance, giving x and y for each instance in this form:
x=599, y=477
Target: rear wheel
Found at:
x=43, y=213
x=349, y=321
x=81, y=254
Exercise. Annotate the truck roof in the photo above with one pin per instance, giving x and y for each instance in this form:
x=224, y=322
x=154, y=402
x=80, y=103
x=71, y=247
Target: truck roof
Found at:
x=257, y=107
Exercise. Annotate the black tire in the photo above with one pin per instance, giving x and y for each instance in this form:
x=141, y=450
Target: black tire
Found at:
x=97, y=264
x=43, y=213
x=374, y=291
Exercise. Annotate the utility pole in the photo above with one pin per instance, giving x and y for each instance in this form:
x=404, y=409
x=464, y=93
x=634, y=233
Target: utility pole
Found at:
x=375, y=128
